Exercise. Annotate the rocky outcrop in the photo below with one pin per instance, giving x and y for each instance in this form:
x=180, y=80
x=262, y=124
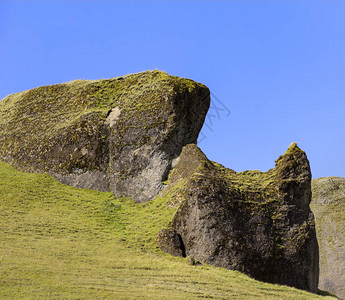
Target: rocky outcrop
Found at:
x=121, y=134
x=126, y=134
x=328, y=205
x=257, y=223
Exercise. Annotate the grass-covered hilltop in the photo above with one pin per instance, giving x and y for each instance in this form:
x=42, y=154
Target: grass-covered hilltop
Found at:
x=105, y=195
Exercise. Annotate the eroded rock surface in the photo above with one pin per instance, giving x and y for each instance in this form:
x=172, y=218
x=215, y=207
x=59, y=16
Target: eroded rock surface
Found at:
x=120, y=134
x=328, y=205
x=254, y=222
x=125, y=135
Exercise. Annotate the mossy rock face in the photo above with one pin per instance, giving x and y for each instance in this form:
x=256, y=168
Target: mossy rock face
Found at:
x=120, y=134
x=258, y=223
x=328, y=205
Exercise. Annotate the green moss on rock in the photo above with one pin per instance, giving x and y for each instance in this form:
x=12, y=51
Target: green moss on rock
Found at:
x=258, y=223
x=71, y=131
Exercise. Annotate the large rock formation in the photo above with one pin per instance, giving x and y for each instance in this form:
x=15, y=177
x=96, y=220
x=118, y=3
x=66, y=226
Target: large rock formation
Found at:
x=257, y=223
x=328, y=205
x=125, y=135
x=121, y=134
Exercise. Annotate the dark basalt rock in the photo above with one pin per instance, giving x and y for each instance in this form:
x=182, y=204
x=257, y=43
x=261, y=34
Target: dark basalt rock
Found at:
x=257, y=223
x=171, y=242
x=120, y=134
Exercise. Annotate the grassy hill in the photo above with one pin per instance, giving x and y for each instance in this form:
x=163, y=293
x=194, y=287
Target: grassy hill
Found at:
x=60, y=242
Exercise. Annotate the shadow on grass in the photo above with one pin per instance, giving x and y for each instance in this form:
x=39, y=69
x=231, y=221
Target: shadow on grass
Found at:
x=325, y=293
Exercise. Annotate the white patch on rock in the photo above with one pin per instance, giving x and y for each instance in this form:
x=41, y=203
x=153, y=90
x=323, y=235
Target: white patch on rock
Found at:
x=113, y=116
x=84, y=151
x=174, y=162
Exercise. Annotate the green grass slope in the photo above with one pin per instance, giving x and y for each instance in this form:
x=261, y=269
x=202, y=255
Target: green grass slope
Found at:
x=60, y=242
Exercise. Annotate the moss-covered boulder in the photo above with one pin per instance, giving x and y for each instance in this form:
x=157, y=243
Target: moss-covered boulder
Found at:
x=126, y=134
x=258, y=223
x=328, y=205
x=120, y=134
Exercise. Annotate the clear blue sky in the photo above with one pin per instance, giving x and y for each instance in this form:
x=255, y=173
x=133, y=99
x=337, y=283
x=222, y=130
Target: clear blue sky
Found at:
x=278, y=66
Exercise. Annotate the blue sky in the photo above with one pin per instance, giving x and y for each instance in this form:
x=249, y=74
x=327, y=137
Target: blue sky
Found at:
x=277, y=66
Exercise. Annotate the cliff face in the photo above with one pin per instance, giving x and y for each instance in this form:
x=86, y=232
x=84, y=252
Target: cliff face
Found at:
x=257, y=223
x=328, y=205
x=126, y=134
x=120, y=134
